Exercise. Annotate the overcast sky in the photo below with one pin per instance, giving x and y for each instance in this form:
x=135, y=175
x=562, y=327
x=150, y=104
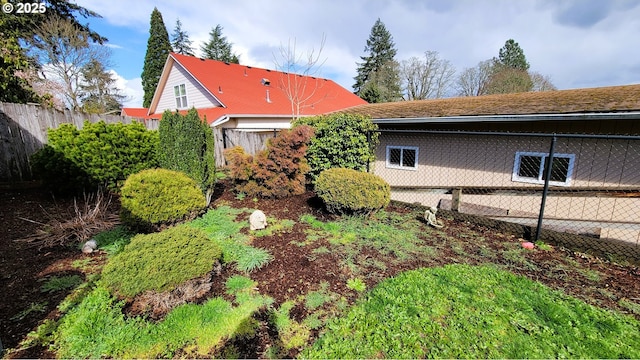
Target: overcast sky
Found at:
x=577, y=43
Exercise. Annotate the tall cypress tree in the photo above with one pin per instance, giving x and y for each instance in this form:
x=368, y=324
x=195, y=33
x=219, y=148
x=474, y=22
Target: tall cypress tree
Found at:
x=381, y=50
x=158, y=48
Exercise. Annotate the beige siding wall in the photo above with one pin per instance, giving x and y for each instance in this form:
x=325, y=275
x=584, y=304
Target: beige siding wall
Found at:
x=449, y=161
x=488, y=161
x=197, y=96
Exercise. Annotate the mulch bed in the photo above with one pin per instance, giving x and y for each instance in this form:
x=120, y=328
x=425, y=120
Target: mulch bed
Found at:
x=295, y=270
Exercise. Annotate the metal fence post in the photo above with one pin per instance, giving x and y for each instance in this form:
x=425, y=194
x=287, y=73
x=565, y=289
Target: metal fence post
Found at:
x=546, y=185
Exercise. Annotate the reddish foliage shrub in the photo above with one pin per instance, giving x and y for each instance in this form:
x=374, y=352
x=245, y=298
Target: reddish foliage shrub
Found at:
x=276, y=172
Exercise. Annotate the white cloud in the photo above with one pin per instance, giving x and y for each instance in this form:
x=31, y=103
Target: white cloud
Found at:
x=590, y=47
x=131, y=88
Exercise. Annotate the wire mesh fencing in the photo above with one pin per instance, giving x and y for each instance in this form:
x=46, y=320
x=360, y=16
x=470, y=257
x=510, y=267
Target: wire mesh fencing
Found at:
x=579, y=191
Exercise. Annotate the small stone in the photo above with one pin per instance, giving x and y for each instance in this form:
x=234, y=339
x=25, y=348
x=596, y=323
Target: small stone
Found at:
x=86, y=249
x=257, y=220
x=92, y=244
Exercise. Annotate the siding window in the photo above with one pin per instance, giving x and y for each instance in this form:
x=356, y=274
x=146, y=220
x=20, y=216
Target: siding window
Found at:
x=402, y=157
x=180, y=92
x=532, y=167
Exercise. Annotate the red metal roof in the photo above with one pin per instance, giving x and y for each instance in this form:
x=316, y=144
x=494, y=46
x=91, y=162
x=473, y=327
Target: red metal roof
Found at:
x=140, y=113
x=242, y=90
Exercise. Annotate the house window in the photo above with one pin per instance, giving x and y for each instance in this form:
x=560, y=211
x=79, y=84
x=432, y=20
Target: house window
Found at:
x=180, y=92
x=402, y=157
x=532, y=167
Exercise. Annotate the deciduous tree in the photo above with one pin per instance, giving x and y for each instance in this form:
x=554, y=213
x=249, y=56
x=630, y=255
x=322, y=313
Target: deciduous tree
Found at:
x=158, y=49
x=62, y=50
x=18, y=73
x=475, y=81
x=299, y=90
x=428, y=78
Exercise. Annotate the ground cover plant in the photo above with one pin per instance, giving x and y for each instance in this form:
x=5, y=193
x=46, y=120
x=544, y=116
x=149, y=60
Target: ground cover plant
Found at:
x=319, y=266
x=463, y=311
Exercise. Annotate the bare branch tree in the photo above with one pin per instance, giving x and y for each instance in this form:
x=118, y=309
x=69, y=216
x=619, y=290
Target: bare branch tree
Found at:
x=428, y=78
x=541, y=82
x=475, y=81
x=298, y=80
x=63, y=49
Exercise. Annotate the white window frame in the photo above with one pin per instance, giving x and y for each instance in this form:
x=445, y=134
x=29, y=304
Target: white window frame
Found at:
x=540, y=180
x=402, y=148
x=181, y=99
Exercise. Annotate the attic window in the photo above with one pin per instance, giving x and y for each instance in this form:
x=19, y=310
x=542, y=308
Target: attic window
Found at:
x=180, y=93
x=265, y=82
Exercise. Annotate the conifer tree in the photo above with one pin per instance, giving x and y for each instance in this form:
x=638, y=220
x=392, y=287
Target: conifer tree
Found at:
x=218, y=48
x=382, y=51
x=510, y=71
x=180, y=40
x=158, y=48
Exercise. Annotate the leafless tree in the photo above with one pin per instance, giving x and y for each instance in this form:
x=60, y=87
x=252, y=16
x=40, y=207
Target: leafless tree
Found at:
x=62, y=50
x=428, y=78
x=299, y=80
x=475, y=81
x=541, y=82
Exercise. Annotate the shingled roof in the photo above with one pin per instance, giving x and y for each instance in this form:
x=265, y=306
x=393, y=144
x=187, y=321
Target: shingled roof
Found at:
x=247, y=90
x=591, y=100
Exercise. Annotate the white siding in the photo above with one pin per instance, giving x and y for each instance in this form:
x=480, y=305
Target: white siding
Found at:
x=263, y=123
x=197, y=96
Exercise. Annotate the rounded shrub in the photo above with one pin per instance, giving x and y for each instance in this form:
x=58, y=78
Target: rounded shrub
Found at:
x=347, y=191
x=161, y=261
x=158, y=196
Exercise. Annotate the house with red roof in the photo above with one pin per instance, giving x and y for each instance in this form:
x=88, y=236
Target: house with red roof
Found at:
x=254, y=102
x=241, y=96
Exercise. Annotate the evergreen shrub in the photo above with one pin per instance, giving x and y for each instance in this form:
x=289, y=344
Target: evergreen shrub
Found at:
x=187, y=145
x=339, y=141
x=160, y=261
x=98, y=155
x=155, y=197
x=347, y=191
x=278, y=171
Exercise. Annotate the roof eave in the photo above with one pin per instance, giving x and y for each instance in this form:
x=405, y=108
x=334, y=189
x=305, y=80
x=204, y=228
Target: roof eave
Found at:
x=510, y=118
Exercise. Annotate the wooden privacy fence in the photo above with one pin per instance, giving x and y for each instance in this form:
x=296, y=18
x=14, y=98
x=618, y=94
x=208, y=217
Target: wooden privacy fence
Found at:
x=23, y=131
x=252, y=140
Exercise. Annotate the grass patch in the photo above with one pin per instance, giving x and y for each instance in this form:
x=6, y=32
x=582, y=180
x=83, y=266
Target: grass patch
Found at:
x=114, y=240
x=57, y=283
x=97, y=328
x=33, y=308
x=221, y=227
x=474, y=312
x=275, y=226
x=291, y=333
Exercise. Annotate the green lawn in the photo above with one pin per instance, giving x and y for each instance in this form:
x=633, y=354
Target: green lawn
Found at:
x=462, y=311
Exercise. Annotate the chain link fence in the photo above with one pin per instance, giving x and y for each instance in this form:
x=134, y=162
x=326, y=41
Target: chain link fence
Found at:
x=578, y=191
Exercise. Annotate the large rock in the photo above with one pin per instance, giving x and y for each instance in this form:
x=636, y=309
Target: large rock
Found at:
x=257, y=220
